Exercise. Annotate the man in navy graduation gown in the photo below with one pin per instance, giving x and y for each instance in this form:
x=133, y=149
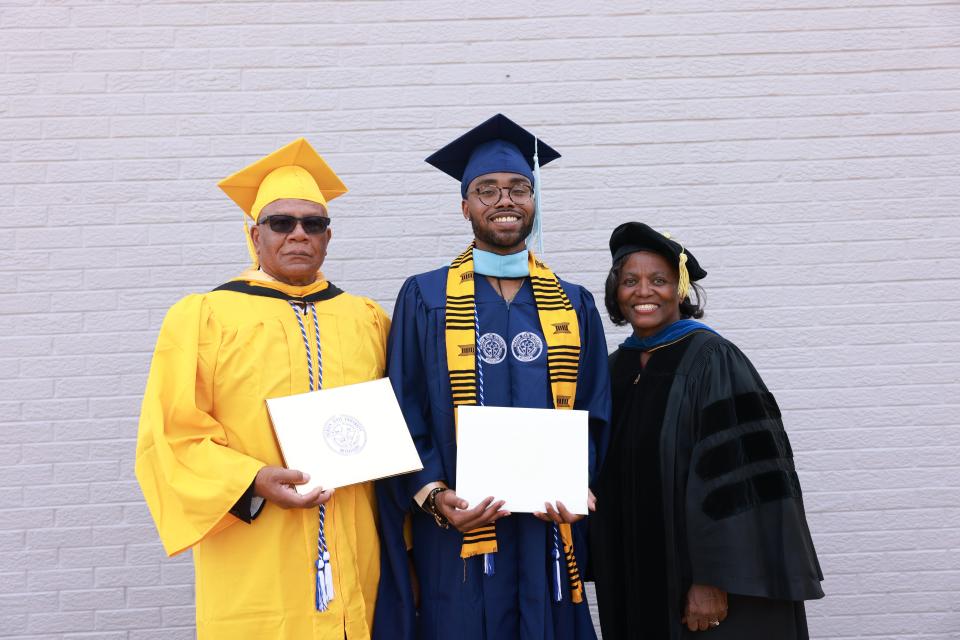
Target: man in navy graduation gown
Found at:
x=429, y=591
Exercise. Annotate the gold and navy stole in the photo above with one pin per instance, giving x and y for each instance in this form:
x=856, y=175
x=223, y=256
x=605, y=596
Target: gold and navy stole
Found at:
x=561, y=330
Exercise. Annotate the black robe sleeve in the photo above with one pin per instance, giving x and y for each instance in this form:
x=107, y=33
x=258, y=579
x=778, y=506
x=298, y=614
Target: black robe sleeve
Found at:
x=745, y=526
x=249, y=506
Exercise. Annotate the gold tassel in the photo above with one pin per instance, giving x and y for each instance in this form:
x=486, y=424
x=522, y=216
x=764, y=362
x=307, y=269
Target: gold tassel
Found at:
x=250, y=248
x=683, y=288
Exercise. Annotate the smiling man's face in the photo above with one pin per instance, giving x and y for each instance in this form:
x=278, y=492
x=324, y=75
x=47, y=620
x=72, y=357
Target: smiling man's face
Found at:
x=295, y=257
x=501, y=227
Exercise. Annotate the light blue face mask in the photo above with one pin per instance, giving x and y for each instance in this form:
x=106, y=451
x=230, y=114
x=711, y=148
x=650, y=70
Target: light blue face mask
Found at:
x=514, y=265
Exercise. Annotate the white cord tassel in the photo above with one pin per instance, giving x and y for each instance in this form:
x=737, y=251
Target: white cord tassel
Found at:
x=328, y=577
x=557, y=576
x=321, y=601
x=489, y=564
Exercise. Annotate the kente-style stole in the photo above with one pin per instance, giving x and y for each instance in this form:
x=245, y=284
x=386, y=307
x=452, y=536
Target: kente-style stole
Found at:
x=561, y=329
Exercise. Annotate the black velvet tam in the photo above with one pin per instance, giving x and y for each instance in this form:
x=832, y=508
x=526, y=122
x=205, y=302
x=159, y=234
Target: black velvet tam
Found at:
x=631, y=237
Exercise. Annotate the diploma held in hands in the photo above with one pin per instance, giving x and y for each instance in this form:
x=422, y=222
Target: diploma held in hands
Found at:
x=523, y=456
x=344, y=435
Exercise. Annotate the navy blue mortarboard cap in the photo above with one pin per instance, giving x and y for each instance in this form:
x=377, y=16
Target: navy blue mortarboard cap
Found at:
x=499, y=144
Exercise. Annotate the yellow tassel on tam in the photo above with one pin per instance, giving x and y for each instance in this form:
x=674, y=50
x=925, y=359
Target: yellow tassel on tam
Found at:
x=683, y=288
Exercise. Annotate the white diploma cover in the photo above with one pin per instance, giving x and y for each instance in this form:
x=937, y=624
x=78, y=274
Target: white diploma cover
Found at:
x=523, y=456
x=344, y=435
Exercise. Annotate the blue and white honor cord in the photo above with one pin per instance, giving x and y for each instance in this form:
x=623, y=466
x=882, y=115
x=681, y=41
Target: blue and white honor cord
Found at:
x=324, y=577
x=489, y=563
x=557, y=576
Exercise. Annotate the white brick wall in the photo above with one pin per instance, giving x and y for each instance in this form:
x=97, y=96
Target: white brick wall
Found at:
x=808, y=151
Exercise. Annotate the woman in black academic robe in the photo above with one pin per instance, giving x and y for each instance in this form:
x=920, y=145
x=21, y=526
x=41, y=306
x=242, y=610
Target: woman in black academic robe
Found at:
x=700, y=522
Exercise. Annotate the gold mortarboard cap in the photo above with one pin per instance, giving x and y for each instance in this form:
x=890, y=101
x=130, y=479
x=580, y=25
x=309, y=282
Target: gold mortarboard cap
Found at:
x=293, y=171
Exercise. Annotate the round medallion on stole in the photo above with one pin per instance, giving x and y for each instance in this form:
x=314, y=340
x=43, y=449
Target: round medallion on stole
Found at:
x=492, y=347
x=526, y=346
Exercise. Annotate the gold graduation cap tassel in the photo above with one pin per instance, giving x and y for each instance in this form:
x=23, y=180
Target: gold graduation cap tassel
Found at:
x=683, y=288
x=250, y=248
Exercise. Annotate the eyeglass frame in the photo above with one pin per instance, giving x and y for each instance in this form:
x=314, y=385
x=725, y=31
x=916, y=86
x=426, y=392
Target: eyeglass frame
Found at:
x=500, y=189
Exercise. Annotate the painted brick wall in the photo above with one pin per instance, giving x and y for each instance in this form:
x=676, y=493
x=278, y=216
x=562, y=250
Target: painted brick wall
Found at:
x=808, y=151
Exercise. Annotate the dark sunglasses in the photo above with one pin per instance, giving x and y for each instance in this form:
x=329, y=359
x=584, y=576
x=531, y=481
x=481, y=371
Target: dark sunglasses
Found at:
x=312, y=225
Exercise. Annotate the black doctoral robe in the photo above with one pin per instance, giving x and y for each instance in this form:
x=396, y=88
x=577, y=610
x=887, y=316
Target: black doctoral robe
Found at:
x=699, y=487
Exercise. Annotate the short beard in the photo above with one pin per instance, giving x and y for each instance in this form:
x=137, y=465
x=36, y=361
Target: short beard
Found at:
x=498, y=240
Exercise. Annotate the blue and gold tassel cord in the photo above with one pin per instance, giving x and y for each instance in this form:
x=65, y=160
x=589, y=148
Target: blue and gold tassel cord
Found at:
x=324, y=575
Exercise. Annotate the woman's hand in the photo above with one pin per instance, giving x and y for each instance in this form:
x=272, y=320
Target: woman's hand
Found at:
x=455, y=510
x=560, y=515
x=706, y=607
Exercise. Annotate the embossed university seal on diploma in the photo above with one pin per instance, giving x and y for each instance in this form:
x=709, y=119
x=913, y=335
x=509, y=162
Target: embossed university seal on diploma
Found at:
x=344, y=435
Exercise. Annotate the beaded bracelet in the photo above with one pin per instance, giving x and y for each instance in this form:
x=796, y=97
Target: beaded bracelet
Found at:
x=431, y=507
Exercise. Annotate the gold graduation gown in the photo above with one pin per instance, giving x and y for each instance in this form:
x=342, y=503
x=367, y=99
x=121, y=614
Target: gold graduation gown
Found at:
x=204, y=433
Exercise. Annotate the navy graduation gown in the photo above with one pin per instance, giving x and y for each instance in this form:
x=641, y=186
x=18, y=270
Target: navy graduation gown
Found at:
x=456, y=599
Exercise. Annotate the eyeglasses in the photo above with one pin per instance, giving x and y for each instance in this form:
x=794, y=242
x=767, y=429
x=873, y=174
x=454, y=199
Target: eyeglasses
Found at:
x=312, y=225
x=490, y=194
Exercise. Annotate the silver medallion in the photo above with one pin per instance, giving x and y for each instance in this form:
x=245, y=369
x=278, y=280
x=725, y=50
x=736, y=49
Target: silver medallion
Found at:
x=526, y=346
x=493, y=348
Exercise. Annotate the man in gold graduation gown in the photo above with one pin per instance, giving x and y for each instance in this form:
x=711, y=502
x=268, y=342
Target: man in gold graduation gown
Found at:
x=207, y=460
